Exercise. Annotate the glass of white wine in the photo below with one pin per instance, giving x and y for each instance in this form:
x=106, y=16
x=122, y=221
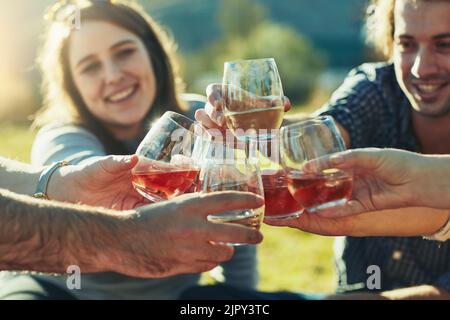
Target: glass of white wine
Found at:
x=225, y=169
x=253, y=97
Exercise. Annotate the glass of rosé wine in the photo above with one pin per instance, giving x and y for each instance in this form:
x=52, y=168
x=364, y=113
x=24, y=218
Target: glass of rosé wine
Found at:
x=315, y=188
x=253, y=99
x=169, y=158
x=279, y=202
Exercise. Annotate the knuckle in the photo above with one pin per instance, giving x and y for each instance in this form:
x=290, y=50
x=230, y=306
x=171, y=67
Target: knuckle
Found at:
x=207, y=266
x=227, y=254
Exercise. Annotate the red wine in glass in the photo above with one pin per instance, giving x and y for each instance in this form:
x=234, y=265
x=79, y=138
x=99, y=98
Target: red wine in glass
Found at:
x=320, y=191
x=279, y=202
x=161, y=181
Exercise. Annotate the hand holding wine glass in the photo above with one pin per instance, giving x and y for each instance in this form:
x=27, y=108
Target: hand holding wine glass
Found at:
x=389, y=179
x=249, y=87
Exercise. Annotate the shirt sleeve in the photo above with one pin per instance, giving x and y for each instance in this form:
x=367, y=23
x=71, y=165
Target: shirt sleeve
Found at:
x=355, y=105
x=71, y=143
x=241, y=270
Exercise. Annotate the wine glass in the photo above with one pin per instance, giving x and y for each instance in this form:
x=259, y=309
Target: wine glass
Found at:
x=225, y=169
x=279, y=202
x=169, y=158
x=253, y=97
x=313, y=187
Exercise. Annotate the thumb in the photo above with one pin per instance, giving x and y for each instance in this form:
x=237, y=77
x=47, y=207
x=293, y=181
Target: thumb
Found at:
x=118, y=164
x=363, y=159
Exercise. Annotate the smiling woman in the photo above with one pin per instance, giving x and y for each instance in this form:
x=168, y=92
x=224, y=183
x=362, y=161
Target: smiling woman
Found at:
x=114, y=75
x=102, y=76
x=103, y=84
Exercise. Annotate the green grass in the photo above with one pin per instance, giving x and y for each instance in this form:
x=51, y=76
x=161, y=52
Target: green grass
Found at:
x=16, y=141
x=289, y=259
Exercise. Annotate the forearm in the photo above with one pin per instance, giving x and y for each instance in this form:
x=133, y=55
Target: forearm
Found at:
x=433, y=181
x=405, y=222
x=48, y=237
x=424, y=292
x=18, y=177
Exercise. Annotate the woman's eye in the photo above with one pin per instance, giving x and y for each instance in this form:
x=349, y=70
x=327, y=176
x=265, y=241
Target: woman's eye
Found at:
x=92, y=67
x=125, y=53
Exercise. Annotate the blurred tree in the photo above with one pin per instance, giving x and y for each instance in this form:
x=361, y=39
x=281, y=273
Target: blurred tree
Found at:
x=298, y=62
x=240, y=17
x=249, y=35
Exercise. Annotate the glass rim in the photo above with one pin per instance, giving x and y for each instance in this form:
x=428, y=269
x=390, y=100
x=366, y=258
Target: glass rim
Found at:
x=241, y=61
x=298, y=126
x=197, y=124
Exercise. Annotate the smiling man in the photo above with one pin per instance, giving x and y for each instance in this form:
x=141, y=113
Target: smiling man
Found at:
x=403, y=103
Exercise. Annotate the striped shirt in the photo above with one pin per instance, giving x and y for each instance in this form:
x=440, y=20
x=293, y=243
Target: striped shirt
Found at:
x=371, y=106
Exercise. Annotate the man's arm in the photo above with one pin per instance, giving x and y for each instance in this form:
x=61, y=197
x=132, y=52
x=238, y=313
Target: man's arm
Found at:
x=48, y=237
x=423, y=292
x=160, y=240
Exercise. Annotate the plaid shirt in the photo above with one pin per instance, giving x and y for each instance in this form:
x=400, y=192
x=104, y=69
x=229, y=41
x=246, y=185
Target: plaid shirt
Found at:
x=373, y=109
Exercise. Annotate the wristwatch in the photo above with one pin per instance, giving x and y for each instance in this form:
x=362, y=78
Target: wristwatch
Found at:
x=44, y=178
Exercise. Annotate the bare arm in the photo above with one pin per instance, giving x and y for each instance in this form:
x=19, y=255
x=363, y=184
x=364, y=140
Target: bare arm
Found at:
x=423, y=292
x=405, y=222
x=159, y=240
x=48, y=237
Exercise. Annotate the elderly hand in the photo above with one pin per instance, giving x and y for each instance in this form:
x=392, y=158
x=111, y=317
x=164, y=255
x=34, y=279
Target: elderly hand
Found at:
x=174, y=236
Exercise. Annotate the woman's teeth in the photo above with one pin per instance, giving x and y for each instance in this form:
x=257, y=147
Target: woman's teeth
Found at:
x=121, y=95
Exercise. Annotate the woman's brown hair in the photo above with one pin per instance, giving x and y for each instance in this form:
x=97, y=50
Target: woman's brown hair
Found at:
x=62, y=100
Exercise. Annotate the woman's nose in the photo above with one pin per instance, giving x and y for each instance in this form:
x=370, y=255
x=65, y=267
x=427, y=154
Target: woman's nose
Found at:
x=113, y=72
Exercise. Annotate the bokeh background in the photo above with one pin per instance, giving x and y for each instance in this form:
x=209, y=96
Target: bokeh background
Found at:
x=315, y=44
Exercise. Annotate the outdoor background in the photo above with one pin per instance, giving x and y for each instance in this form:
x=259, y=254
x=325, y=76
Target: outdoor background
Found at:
x=315, y=43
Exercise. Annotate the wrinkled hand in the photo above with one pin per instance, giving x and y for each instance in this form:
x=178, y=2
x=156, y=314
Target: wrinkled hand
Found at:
x=212, y=116
x=100, y=181
x=174, y=237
